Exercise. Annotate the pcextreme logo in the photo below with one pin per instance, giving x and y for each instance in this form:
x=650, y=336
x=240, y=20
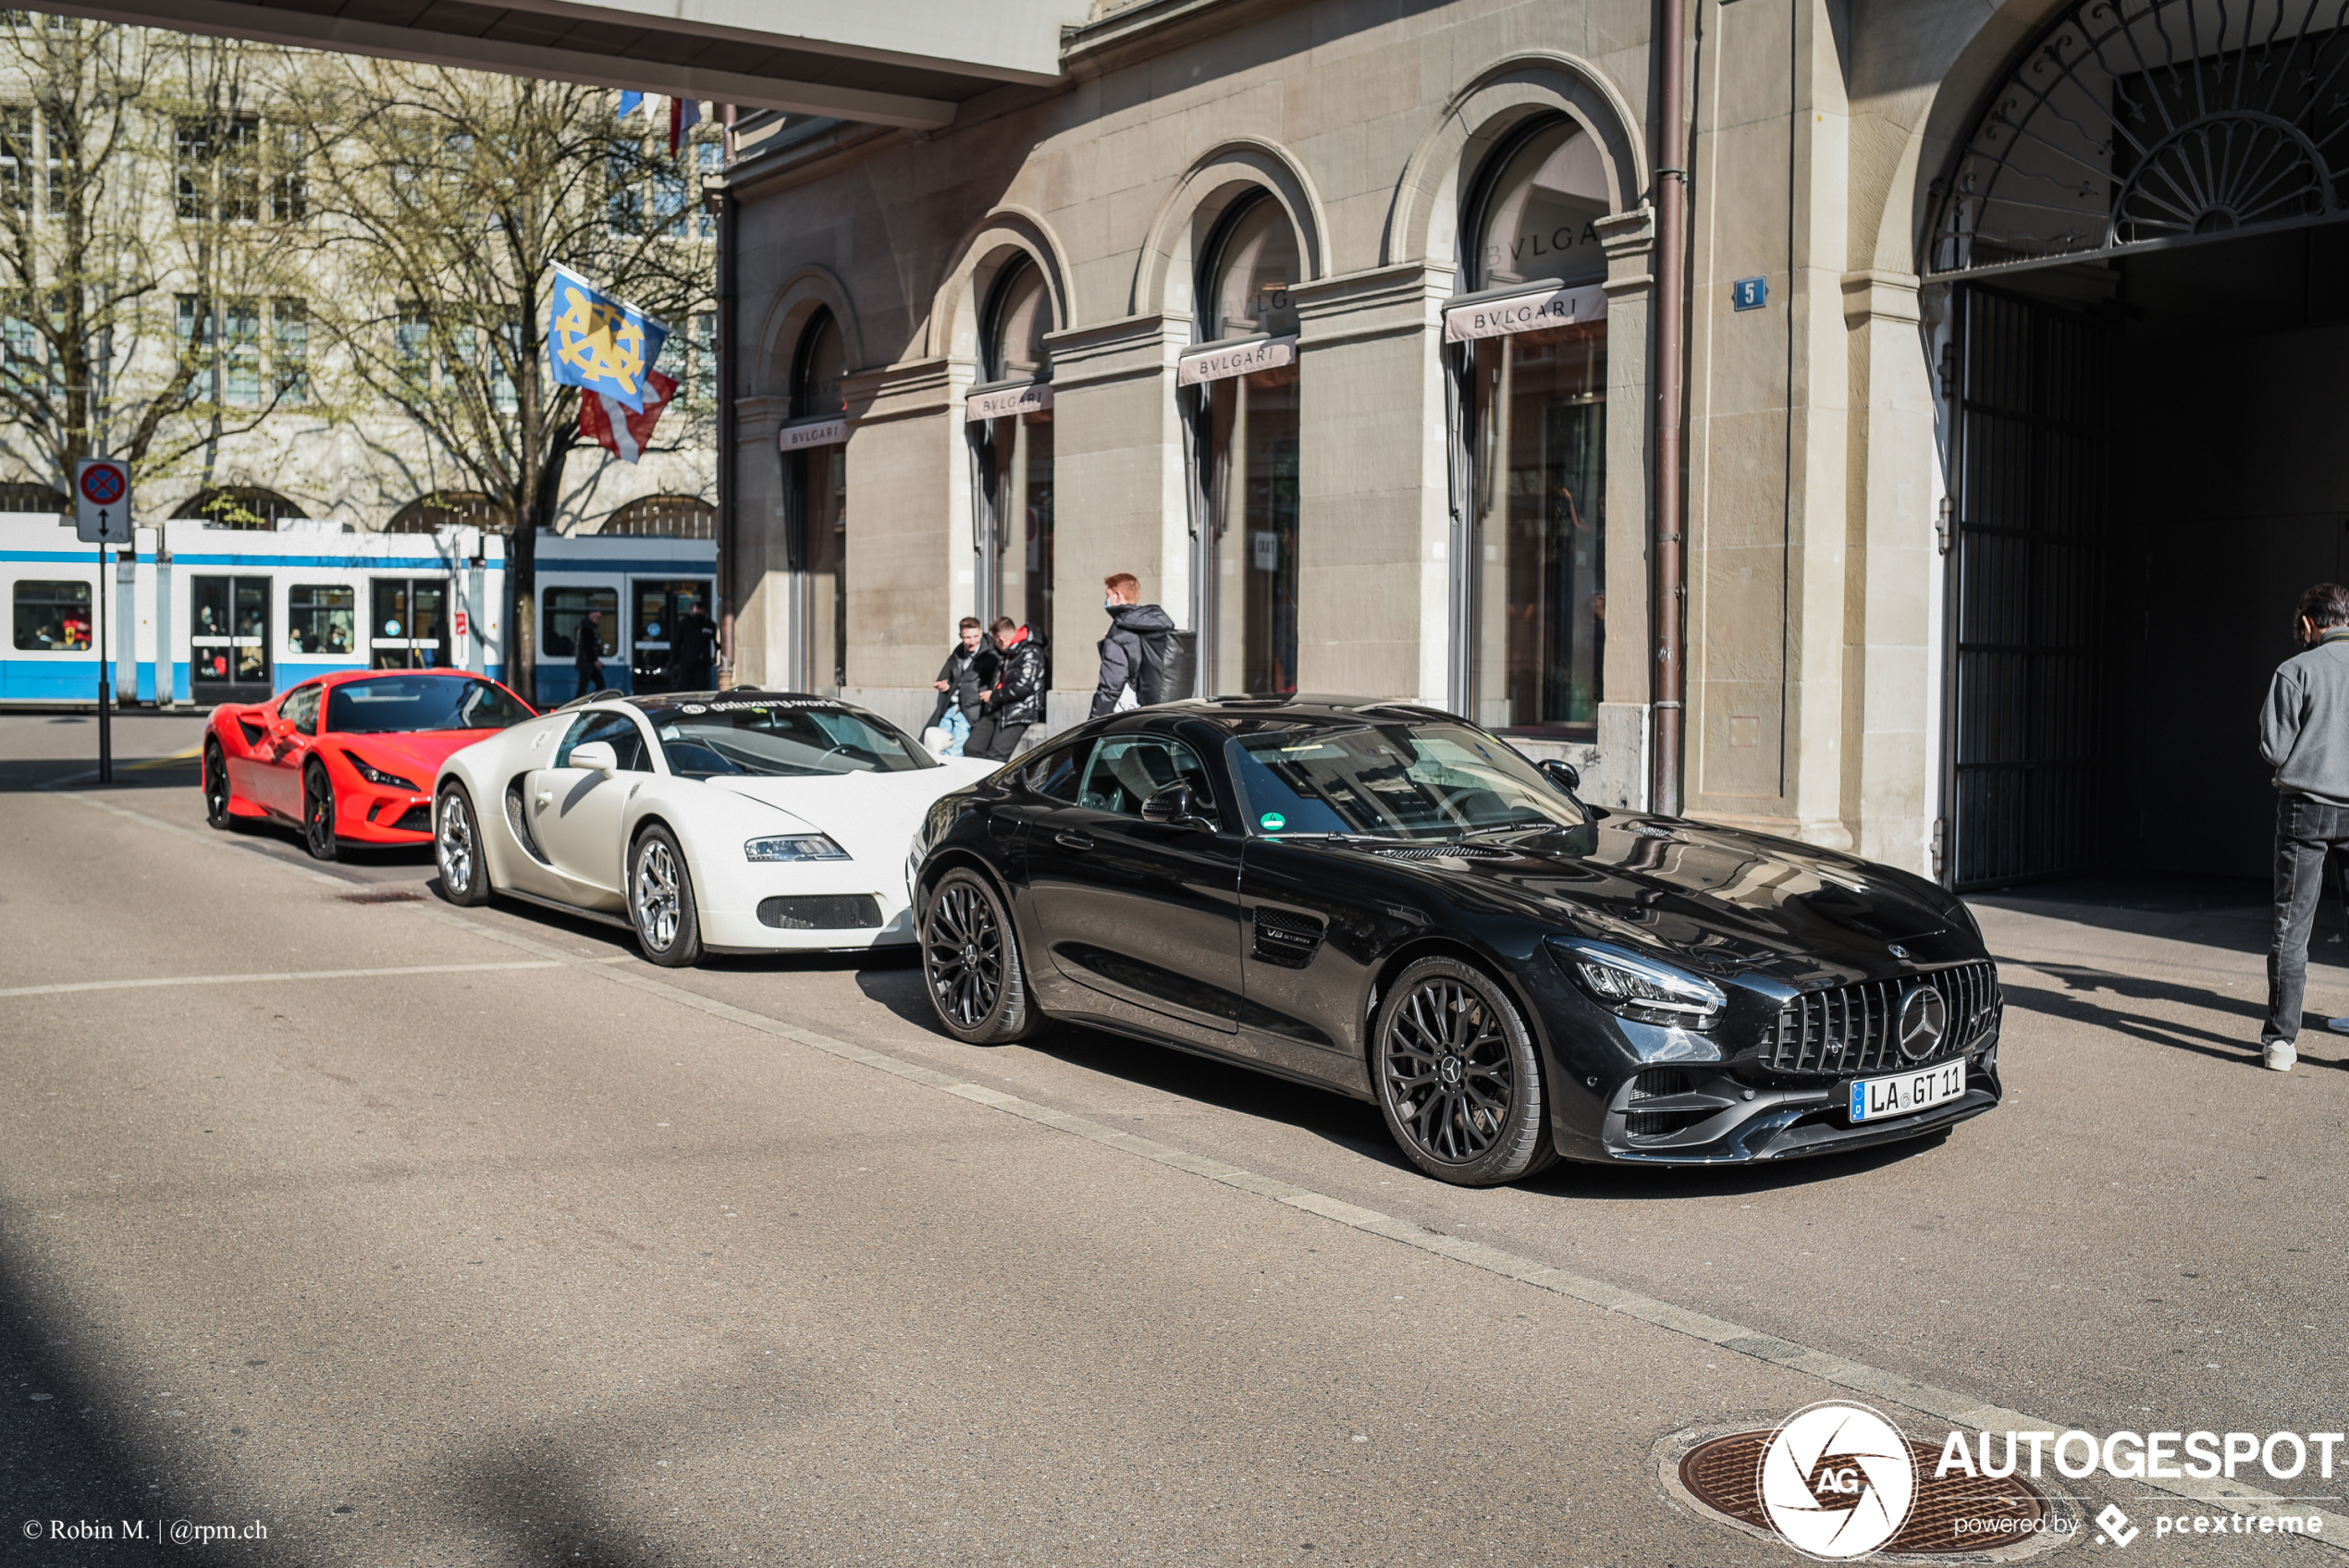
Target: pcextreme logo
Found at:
x=1837, y=1481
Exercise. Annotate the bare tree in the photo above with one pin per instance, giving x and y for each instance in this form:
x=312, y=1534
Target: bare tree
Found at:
x=112, y=285
x=453, y=195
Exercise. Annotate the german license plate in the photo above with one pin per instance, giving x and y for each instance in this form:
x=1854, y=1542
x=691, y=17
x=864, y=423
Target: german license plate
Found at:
x=1873, y=1099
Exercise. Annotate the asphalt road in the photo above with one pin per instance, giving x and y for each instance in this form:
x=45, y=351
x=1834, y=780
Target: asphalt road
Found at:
x=487, y=1243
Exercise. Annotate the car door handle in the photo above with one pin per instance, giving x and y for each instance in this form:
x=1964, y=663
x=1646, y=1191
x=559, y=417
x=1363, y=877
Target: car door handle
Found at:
x=1072, y=841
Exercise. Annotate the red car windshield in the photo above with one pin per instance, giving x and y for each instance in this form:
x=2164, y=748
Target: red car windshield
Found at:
x=395, y=705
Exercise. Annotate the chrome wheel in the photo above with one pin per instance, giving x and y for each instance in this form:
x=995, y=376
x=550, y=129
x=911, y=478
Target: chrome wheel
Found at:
x=657, y=894
x=963, y=952
x=454, y=845
x=1450, y=1072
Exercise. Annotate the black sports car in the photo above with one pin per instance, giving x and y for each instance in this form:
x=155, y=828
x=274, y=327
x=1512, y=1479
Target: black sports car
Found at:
x=1383, y=900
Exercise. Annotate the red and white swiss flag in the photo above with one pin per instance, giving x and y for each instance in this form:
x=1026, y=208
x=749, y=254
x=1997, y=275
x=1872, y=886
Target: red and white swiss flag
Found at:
x=624, y=433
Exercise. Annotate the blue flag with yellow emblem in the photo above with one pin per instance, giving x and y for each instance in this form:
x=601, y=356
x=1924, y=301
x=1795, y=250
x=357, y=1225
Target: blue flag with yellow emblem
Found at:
x=601, y=344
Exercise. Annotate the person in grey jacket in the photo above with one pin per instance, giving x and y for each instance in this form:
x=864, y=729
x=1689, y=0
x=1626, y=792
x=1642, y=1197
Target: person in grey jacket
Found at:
x=2303, y=735
x=1122, y=649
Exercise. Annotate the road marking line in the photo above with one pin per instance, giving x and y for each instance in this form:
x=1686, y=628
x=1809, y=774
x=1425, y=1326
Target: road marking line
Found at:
x=176, y=758
x=1955, y=1408
x=279, y=975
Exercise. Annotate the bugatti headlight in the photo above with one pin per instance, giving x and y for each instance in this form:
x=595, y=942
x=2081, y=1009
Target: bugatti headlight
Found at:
x=377, y=776
x=1641, y=987
x=793, y=846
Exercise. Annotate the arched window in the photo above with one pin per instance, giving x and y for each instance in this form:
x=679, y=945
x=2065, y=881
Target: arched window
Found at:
x=1538, y=218
x=818, y=497
x=450, y=509
x=1013, y=451
x=1246, y=575
x=1532, y=583
x=664, y=516
x=241, y=505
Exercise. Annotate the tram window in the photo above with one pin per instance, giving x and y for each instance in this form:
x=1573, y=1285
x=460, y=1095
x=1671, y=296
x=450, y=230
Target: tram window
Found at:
x=321, y=618
x=566, y=607
x=407, y=625
x=53, y=617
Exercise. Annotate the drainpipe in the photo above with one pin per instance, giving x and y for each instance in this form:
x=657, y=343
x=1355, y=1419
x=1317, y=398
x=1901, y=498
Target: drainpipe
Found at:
x=730, y=571
x=1669, y=681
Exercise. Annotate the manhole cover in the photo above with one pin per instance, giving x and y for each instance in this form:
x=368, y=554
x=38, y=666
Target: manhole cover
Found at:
x=1724, y=1474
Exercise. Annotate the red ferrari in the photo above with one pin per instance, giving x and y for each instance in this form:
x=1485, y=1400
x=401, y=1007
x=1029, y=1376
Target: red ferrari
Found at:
x=349, y=758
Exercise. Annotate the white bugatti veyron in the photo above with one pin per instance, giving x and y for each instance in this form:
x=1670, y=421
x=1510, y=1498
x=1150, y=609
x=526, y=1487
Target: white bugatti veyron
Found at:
x=739, y=821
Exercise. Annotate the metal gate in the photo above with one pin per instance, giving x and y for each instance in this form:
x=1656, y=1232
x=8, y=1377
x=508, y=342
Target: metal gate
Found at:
x=2029, y=590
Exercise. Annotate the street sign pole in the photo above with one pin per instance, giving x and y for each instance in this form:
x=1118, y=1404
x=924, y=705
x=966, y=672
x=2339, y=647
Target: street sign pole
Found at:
x=105, y=721
x=102, y=517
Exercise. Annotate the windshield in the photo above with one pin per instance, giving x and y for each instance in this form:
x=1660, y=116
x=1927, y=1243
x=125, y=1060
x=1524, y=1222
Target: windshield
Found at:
x=781, y=738
x=403, y=704
x=1395, y=780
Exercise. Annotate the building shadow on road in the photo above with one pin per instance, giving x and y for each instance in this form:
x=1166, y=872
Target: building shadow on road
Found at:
x=66, y=1454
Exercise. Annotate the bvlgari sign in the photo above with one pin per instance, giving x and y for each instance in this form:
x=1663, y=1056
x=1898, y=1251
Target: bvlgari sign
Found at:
x=831, y=432
x=1223, y=361
x=1003, y=402
x=1524, y=312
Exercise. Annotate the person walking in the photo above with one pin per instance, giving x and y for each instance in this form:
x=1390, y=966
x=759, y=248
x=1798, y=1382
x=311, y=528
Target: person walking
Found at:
x=693, y=659
x=1017, y=699
x=963, y=683
x=1127, y=665
x=2303, y=735
x=587, y=654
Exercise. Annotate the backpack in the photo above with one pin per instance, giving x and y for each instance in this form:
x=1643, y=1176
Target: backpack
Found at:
x=1166, y=674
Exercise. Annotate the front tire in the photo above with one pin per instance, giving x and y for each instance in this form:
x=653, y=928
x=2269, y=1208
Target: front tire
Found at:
x=318, y=813
x=215, y=787
x=456, y=844
x=970, y=962
x=1459, y=1076
x=660, y=900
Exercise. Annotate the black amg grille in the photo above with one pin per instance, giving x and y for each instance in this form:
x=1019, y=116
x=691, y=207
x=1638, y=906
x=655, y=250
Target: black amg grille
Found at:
x=826, y=911
x=1854, y=1028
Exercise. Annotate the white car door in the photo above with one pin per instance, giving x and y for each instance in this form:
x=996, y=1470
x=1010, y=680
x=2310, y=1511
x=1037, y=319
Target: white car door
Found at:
x=575, y=813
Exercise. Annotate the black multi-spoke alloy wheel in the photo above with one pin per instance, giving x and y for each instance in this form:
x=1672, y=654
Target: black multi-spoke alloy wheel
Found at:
x=1459, y=1076
x=456, y=844
x=215, y=786
x=661, y=900
x=970, y=962
x=318, y=813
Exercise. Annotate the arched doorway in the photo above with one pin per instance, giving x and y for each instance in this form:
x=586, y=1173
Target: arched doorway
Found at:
x=2137, y=388
x=1009, y=417
x=816, y=495
x=242, y=507
x=450, y=509
x=663, y=517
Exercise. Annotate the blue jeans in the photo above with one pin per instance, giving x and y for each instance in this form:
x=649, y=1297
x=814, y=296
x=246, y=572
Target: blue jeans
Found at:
x=957, y=728
x=2310, y=838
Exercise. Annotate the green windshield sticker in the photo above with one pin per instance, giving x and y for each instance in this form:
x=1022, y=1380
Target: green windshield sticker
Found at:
x=1272, y=822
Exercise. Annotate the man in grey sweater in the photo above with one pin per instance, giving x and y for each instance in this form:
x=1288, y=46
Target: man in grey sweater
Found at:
x=2304, y=734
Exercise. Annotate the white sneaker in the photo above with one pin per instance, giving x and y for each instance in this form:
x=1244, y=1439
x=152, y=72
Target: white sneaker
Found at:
x=2281, y=1056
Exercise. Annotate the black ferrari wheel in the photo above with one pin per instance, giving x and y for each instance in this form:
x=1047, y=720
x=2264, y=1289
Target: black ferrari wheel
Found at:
x=1458, y=1077
x=970, y=962
x=456, y=844
x=661, y=900
x=215, y=786
x=318, y=813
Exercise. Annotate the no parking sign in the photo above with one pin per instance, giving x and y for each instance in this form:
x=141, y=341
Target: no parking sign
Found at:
x=102, y=501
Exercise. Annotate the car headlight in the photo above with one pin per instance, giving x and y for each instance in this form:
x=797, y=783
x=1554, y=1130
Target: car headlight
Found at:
x=1641, y=987
x=377, y=776
x=797, y=846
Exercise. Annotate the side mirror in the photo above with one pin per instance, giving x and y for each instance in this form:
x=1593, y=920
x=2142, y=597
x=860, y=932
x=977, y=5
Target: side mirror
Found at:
x=596, y=756
x=1172, y=805
x=1563, y=775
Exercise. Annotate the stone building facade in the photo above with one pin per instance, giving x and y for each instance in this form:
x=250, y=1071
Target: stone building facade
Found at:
x=1333, y=322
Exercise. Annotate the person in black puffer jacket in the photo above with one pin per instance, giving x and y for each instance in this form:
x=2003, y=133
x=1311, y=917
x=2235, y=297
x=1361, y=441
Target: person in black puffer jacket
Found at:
x=1017, y=700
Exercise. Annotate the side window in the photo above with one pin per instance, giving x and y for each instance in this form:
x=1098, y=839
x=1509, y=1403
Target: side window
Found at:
x=300, y=708
x=1128, y=769
x=617, y=729
x=1054, y=772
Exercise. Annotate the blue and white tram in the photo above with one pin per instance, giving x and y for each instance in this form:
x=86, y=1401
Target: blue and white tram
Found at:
x=195, y=613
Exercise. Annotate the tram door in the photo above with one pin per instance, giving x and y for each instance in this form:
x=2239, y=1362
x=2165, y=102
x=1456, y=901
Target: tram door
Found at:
x=411, y=625
x=228, y=641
